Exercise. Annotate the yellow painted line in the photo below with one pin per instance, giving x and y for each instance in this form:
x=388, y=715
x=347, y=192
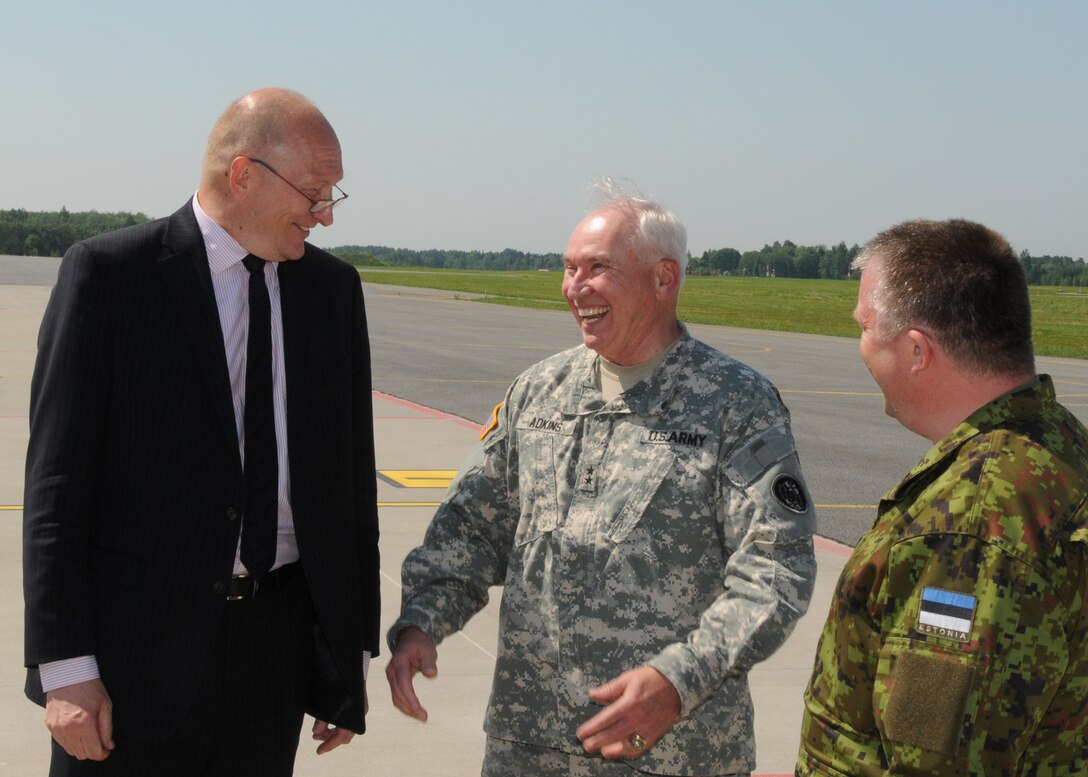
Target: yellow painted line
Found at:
x=419, y=478
x=11, y=507
x=847, y=507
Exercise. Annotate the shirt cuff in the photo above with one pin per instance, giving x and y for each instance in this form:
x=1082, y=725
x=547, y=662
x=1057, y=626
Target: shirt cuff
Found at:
x=67, y=671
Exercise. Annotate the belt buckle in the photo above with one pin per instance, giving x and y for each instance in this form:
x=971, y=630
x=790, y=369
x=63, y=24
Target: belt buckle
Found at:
x=240, y=596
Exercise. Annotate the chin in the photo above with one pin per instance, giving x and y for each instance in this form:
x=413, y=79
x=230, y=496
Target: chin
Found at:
x=592, y=341
x=294, y=253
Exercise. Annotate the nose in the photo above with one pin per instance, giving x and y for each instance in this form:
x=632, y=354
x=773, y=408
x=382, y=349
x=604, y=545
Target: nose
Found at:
x=576, y=283
x=324, y=216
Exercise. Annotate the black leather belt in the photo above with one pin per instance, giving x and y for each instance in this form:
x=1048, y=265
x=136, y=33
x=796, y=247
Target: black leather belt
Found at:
x=245, y=587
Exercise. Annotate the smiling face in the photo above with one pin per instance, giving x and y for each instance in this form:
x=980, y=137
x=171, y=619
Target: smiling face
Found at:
x=277, y=218
x=625, y=308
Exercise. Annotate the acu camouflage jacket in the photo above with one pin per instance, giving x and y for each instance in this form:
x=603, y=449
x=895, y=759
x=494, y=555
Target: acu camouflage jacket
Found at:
x=670, y=526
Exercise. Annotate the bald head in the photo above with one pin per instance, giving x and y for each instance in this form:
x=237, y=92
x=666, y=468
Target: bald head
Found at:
x=261, y=124
x=271, y=158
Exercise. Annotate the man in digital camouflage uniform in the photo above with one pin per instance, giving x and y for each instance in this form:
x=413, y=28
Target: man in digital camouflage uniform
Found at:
x=957, y=642
x=641, y=500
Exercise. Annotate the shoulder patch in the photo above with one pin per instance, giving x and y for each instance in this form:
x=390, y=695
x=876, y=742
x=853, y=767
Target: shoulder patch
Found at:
x=789, y=493
x=487, y=428
x=946, y=614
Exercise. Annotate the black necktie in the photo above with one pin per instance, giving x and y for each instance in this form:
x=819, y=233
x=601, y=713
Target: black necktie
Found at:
x=259, y=429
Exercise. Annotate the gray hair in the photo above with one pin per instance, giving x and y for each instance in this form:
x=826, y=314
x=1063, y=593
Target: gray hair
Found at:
x=659, y=234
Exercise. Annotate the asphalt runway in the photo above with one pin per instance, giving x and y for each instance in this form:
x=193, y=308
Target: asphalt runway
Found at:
x=446, y=351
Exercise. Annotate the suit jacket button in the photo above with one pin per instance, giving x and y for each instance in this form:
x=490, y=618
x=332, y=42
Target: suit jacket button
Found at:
x=219, y=587
x=232, y=514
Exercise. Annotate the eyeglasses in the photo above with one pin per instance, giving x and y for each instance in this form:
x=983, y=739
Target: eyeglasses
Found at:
x=318, y=205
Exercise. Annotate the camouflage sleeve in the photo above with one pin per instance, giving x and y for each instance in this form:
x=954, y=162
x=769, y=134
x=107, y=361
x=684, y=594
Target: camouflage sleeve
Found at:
x=467, y=545
x=977, y=644
x=768, y=520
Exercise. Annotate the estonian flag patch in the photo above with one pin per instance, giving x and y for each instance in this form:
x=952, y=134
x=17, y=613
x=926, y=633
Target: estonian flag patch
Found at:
x=946, y=614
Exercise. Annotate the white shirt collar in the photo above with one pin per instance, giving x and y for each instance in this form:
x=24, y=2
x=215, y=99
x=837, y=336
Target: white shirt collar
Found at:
x=223, y=250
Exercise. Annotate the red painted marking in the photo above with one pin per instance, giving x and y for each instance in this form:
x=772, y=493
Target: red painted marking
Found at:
x=831, y=546
x=438, y=414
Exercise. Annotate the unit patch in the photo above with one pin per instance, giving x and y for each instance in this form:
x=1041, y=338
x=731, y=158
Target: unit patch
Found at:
x=787, y=490
x=672, y=437
x=946, y=614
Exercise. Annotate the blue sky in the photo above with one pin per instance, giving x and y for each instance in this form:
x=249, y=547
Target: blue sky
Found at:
x=478, y=125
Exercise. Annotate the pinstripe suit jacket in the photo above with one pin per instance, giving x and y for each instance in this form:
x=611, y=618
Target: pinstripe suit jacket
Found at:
x=133, y=479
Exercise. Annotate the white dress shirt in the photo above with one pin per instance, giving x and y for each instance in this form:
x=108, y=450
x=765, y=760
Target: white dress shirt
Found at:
x=230, y=281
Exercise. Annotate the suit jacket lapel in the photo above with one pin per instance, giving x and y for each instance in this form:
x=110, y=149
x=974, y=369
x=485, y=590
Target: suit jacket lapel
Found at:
x=294, y=291
x=184, y=264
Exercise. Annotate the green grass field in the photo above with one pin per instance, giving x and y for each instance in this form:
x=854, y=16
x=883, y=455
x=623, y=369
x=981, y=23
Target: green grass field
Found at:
x=782, y=304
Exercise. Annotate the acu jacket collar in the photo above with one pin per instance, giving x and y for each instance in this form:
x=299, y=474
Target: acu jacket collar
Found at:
x=582, y=395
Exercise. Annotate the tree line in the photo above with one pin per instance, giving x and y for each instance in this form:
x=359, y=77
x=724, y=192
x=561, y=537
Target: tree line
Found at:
x=507, y=259
x=49, y=233
x=44, y=233
x=778, y=260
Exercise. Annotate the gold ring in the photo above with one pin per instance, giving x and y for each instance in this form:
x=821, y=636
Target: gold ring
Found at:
x=638, y=744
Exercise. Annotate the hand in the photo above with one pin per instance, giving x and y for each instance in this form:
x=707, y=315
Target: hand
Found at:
x=330, y=737
x=415, y=652
x=640, y=701
x=80, y=718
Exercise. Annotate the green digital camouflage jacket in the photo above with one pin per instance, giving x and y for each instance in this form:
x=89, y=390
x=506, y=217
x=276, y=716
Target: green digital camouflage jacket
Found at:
x=669, y=527
x=957, y=642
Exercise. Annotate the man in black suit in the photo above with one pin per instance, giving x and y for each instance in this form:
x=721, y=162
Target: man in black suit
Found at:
x=200, y=519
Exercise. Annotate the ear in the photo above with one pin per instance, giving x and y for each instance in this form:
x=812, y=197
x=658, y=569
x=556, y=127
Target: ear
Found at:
x=238, y=175
x=924, y=350
x=667, y=278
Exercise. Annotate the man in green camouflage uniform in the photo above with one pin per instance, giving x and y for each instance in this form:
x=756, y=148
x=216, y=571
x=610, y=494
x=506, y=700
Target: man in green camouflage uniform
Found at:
x=957, y=642
x=641, y=500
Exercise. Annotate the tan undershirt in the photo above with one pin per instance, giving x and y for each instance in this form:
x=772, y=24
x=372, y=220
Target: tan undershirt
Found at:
x=615, y=379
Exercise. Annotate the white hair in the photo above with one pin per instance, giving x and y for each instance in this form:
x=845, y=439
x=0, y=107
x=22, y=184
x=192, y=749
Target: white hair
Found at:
x=660, y=233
